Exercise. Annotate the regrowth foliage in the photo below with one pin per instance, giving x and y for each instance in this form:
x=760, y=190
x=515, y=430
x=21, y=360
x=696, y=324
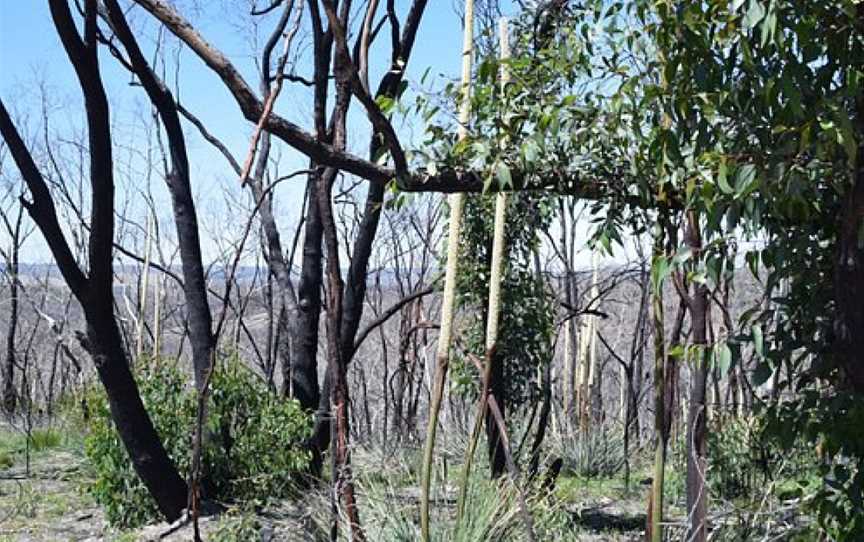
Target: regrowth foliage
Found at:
x=253, y=450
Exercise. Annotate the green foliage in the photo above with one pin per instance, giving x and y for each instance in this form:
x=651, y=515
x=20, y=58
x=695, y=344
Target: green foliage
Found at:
x=542, y=129
x=252, y=448
x=736, y=466
x=757, y=99
x=502, y=143
x=116, y=486
x=259, y=436
x=745, y=460
x=745, y=114
x=526, y=323
x=236, y=528
x=832, y=425
x=6, y=459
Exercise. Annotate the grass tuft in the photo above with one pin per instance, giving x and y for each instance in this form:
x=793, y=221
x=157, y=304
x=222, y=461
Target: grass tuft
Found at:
x=45, y=439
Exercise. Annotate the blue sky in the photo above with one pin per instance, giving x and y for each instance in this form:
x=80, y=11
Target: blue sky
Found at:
x=30, y=52
x=32, y=62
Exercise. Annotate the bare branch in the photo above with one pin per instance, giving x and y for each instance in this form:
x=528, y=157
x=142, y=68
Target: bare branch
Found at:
x=393, y=309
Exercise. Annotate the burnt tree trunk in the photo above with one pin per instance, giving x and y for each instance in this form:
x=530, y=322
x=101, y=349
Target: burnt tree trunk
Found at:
x=494, y=441
x=304, y=355
x=336, y=367
x=14, y=230
x=94, y=291
x=304, y=361
x=543, y=422
x=199, y=318
x=337, y=392
x=355, y=288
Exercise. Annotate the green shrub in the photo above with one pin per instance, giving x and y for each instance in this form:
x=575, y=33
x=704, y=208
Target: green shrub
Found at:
x=736, y=457
x=830, y=423
x=236, y=528
x=252, y=445
x=743, y=461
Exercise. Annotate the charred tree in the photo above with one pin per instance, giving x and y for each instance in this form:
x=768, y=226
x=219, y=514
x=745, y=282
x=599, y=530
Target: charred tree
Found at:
x=355, y=284
x=199, y=318
x=94, y=290
x=13, y=228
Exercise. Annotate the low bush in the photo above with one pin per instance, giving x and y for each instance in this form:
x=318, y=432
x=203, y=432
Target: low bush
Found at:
x=738, y=459
x=237, y=527
x=6, y=460
x=252, y=448
x=744, y=461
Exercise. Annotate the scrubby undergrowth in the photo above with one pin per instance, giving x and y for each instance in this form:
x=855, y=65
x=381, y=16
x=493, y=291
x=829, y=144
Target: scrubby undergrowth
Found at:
x=56, y=501
x=253, y=440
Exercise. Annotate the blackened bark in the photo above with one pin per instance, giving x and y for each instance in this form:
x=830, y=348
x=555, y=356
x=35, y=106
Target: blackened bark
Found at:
x=304, y=361
x=339, y=399
x=543, y=422
x=355, y=289
x=9, y=396
x=494, y=440
x=336, y=367
x=355, y=292
x=199, y=317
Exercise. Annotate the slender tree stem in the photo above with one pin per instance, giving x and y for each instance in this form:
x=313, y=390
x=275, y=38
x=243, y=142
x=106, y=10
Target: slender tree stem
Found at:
x=457, y=203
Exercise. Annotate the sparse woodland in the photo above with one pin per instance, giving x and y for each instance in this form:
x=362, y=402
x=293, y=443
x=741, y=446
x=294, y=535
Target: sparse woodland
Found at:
x=605, y=283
